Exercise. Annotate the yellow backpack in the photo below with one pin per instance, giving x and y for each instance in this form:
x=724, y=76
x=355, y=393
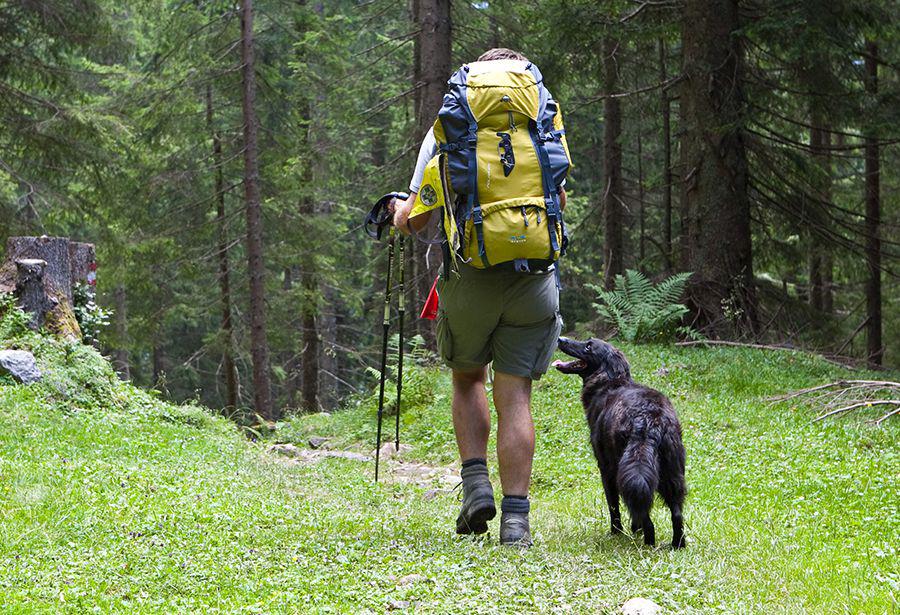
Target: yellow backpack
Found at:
x=503, y=156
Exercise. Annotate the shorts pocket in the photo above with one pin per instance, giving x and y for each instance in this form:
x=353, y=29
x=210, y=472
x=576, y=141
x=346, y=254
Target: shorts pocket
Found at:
x=543, y=358
x=444, y=337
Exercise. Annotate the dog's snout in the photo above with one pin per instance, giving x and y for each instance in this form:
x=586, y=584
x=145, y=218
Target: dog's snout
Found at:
x=562, y=340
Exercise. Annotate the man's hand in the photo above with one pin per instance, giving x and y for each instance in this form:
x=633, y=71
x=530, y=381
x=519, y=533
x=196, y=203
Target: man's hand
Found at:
x=401, y=211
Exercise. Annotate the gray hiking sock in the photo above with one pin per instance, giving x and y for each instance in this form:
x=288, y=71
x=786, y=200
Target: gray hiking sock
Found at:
x=515, y=504
x=514, y=526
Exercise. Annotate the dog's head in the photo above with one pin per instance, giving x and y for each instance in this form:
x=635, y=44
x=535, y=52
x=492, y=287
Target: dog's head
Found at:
x=593, y=357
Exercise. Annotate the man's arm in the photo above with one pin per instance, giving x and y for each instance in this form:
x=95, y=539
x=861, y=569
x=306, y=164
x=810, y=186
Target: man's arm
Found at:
x=402, y=209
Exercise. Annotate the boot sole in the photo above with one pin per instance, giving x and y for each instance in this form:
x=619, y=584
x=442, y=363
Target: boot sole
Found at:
x=476, y=523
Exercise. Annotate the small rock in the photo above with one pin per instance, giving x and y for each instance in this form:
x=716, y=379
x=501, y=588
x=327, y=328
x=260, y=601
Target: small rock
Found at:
x=317, y=442
x=348, y=455
x=288, y=450
x=433, y=493
x=398, y=605
x=388, y=450
x=663, y=371
x=19, y=364
x=412, y=579
x=641, y=606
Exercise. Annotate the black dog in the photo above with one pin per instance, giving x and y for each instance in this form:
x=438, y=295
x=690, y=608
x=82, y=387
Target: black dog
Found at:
x=635, y=435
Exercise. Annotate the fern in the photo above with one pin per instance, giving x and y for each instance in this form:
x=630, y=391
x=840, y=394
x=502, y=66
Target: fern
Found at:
x=643, y=311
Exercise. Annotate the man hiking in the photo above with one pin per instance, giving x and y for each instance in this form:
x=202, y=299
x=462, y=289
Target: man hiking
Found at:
x=495, y=163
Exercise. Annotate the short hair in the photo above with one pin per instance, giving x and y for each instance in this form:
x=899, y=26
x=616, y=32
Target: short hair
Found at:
x=501, y=53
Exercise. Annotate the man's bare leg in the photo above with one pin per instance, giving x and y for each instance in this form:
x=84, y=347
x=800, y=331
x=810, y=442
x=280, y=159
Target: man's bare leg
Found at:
x=471, y=415
x=472, y=424
x=515, y=452
x=515, y=432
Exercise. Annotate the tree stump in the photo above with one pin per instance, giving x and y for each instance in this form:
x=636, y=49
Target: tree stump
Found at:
x=33, y=299
x=83, y=263
x=53, y=250
x=40, y=272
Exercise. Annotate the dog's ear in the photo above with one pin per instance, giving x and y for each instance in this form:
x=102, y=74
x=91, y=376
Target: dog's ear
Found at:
x=615, y=364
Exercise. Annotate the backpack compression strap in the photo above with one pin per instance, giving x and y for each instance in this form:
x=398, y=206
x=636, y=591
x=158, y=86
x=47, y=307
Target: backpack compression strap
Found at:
x=539, y=137
x=468, y=144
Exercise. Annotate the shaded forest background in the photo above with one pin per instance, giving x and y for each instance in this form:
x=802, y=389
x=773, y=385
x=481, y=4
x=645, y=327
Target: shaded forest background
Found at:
x=222, y=155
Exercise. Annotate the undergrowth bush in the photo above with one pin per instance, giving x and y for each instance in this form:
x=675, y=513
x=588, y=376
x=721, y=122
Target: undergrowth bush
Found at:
x=642, y=311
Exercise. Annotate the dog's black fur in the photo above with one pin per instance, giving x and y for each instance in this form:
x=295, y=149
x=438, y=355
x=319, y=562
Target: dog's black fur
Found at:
x=635, y=435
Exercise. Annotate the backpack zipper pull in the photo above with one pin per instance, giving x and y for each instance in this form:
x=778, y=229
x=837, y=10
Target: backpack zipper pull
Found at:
x=512, y=122
x=525, y=216
x=538, y=211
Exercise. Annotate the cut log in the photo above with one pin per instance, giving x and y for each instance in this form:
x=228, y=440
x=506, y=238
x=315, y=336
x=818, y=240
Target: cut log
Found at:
x=33, y=299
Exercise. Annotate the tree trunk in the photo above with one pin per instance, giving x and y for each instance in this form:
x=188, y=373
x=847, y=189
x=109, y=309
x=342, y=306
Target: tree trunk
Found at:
x=434, y=46
x=874, y=347
x=328, y=351
x=120, y=316
x=613, y=258
x=228, y=365
x=820, y=261
x=665, y=110
x=310, y=354
x=717, y=200
x=642, y=214
x=259, y=345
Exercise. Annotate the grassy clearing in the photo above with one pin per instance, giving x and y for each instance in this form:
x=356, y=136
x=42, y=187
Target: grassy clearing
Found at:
x=113, y=500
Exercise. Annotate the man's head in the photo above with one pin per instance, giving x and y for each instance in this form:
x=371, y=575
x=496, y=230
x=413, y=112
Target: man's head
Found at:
x=501, y=53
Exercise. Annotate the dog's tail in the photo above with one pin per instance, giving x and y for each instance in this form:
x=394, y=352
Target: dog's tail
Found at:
x=639, y=469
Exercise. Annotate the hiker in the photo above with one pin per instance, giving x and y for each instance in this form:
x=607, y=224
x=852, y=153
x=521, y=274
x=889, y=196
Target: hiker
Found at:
x=498, y=183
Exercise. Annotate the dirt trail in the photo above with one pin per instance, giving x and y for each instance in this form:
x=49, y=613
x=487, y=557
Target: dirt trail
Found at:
x=394, y=469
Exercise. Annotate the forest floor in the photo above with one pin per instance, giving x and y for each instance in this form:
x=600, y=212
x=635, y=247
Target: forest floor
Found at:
x=114, y=500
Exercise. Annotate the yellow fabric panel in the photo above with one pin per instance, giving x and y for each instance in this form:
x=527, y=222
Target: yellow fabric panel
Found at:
x=525, y=178
x=498, y=92
x=439, y=135
x=515, y=229
x=431, y=192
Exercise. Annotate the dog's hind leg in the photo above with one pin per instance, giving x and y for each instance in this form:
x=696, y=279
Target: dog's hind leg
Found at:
x=672, y=492
x=672, y=487
x=612, y=499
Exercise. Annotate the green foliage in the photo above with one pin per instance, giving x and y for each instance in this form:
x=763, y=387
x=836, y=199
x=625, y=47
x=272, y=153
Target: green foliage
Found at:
x=92, y=318
x=642, y=311
x=13, y=321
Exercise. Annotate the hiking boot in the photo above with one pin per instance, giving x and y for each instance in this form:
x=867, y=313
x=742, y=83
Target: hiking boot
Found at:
x=478, y=500
x=514, y=530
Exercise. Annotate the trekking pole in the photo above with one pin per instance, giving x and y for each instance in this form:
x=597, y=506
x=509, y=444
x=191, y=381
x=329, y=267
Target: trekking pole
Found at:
x=401, y=310
x=386, y=323
x=377, y=219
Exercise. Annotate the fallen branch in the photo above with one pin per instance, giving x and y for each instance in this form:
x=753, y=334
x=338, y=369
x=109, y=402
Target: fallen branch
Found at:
x=843, y=396
x=844, y=384
x=861, y=404
x=886, y=416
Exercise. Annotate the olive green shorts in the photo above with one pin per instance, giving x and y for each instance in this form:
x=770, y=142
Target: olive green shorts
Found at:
x=498, y=315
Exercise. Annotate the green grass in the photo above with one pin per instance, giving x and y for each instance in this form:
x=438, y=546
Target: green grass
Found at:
x=113, y=500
